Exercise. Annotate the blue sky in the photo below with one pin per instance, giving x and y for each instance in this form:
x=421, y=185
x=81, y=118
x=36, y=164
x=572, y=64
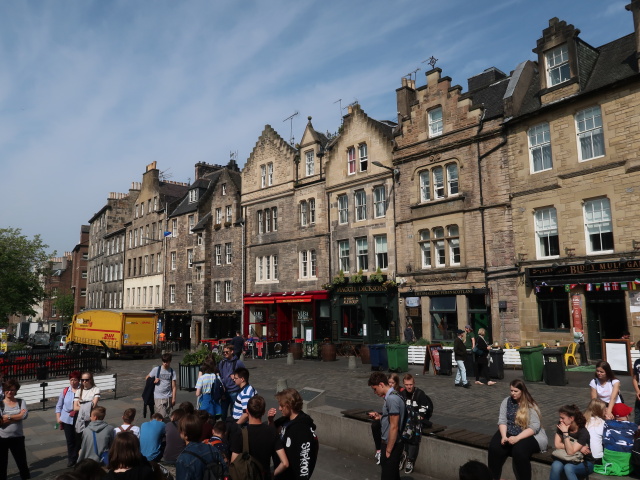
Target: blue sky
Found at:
x=91, y=91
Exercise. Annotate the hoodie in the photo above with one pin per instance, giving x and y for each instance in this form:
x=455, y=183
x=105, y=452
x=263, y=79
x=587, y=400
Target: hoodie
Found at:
x=300, y=444
x=104, y=437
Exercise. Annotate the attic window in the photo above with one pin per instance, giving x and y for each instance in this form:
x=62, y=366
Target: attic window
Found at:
x=558, y=65
x=193, y=195
x=224, y=189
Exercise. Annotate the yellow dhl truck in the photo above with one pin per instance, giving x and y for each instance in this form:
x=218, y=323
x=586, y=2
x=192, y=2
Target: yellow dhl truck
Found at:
x=125, y=332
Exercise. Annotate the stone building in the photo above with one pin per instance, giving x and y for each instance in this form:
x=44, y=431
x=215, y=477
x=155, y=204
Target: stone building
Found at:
x=105, y=265
x=146, y=247
x=572, y=120
x=455, y=264
x=57, y=282
x=80, y=274
x=360, y=190
x=204, y=258
x=286, y=246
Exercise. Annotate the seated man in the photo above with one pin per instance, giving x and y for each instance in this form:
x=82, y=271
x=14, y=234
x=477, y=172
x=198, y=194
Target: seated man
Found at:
x=152, y=434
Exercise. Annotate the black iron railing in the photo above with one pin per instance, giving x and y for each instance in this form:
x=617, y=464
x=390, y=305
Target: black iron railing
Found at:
x=42, y=364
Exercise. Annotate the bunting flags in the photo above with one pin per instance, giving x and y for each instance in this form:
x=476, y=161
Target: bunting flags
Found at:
x=590, y=287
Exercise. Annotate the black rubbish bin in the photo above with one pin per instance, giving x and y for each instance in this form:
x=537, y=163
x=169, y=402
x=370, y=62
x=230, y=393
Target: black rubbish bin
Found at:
x=446, y=363
x=496, y=369
x=470, y=365
x=554, y=372
x=42, y=373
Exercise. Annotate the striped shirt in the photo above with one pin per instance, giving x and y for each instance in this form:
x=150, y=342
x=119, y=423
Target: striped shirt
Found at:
x=205, y=383
x=242, y=399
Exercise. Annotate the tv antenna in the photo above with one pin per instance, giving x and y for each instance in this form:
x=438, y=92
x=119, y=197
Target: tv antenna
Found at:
x=290, y=118
x=410, y=74
x=340, y=102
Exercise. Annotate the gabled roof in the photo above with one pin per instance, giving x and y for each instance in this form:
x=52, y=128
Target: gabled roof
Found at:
x=384, y=127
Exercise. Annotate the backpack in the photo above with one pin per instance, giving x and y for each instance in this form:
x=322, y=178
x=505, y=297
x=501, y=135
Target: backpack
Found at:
x=158, y=374
x=217, y=390
x=415, y=421
x=212, y=471
x=246, y=467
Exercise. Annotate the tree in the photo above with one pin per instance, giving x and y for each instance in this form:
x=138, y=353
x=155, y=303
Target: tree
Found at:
x=64, y=306
x=21, y=262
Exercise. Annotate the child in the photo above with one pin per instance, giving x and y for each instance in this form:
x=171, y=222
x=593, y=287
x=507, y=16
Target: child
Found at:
x=218, y=439
x=618, y=442
x=152, y=435
x=96, y=436
x=128, y=417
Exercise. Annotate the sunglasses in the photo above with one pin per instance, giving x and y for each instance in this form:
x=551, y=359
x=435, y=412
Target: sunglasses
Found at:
x=86, y=379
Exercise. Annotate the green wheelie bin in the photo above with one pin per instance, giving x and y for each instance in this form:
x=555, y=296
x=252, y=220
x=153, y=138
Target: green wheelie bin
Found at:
x=532, y=364
x=398, y=357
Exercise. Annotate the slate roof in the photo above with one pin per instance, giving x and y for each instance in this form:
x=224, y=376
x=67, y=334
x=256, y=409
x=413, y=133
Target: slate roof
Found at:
x=616, y=62
x=491, y=97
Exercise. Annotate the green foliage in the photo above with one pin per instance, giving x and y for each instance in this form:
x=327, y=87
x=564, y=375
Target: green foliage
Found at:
x=21, y=262
x=421, y=342
x=197, y=356
x=358, y=277
x=377, y=277
x=64, y=305
x=340, y=279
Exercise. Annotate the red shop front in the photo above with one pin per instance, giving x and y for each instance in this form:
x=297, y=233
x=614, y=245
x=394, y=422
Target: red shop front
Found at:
x=282, y=316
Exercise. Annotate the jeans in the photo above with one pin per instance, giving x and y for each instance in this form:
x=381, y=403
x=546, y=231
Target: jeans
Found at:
x=520, y=452
x=389, y=466
x=228, y=400
x=571, y=470
x=461, y=375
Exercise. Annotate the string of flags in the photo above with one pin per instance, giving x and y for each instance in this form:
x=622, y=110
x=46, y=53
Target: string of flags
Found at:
x=590, y=287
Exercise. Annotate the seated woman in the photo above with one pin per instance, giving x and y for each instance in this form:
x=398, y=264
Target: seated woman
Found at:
x=571, y=436
x=606, y=387
x=594, y=414
x=520, y=433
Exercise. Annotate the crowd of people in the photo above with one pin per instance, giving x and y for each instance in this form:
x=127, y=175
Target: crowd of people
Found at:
x=223, y=434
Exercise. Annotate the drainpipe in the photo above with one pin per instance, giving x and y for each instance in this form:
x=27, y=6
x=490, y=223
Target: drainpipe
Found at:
x=481, y=157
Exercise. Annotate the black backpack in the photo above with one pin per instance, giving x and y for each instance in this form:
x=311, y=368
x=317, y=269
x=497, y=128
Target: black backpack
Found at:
x=217, y=390
x=212, y=471
x=246, y=467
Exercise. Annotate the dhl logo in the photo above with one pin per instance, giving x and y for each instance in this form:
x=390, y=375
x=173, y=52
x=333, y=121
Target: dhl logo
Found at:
x=109, y=336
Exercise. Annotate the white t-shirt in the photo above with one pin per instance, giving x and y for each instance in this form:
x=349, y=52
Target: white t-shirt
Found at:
x=136, y=430
x=596, y=427
x=604, y=391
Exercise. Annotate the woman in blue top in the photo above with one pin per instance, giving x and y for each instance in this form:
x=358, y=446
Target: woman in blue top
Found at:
x=66, y=416
x=196, y=456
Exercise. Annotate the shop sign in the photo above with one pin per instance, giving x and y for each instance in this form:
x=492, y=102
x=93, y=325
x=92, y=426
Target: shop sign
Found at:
x=303, y=316
x=412, y=301
x=361, y=289
x=258, y=315
x=582, y=268
x=413, y=312
x=440, y=293
x=350, y=300
x=634, y=308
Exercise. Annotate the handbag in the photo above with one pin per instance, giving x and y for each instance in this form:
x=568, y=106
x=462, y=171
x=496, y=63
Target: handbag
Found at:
x=562, y=455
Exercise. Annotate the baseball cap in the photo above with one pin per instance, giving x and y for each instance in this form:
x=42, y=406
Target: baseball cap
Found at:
x=468, y=326
x=460, y=332
x=621, y=410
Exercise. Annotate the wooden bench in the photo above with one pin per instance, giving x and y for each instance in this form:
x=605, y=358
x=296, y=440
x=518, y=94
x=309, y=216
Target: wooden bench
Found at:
x=43, y=392
x=511, y=358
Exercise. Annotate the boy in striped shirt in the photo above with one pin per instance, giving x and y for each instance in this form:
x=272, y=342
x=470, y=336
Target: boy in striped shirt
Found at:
x=241, y=379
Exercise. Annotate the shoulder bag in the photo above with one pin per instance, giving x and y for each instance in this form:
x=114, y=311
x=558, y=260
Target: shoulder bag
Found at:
x=562, y=455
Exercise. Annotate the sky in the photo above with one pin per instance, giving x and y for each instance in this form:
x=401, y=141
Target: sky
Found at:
x=91, y=91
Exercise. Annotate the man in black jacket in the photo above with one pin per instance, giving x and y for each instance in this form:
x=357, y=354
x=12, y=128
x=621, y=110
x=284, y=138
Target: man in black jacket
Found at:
x=419, y=410
x=460, y=352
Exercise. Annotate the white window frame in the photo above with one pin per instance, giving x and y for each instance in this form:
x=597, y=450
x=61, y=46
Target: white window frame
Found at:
x=274, y=265
x=173, y=260
x=260, y=222
x=540, y=145
x=546, y=226
x=425, y=248
x=189, y=292
x=228, y=252
x=453, y=242
x=600, y=219
x=381, y=251
x=227, y=291
x=172, y=294
x=229, y=216
x=362, y=254
x=343, y=255
x=304, y=264
x=259, y=272
x=379, y=201
x=439, y=190
x=218, y=253
x=425, y=186
x=558, y=70
x=312, y=211
x=190, y=258
x=435, y=122
x=439, y=250
x=303, y=213
x=363, y=157
x=193, y=195
x=343, y=209
x=360, y=202
x=192, y=222
x=309, y=163
x=270, y=174
x=224, y=189
x=218, y=215
x=263, y=176
x=453, y=185
x=589, y=129
x=174, y=224
x=216, y=291
x=274, y=219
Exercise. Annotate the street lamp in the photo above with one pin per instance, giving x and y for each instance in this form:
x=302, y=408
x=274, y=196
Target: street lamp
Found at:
x=396, y=172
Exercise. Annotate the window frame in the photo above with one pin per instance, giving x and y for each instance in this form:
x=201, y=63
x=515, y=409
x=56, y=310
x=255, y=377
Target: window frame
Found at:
x=596, y=131
x=609, y=222
x=343, y=209
x=436, y=125
x=379, y=201
x=310, y=163
x=382, y=257
x=351, y=161
x=362, y=254
x=363, y=157
x=562, y=67
x=539, y=139
x=344, y=261
x=360, y=205
x=545, y=222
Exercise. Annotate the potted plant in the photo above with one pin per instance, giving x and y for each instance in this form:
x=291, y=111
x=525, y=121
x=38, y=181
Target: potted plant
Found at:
x=378, y=277
x=340, y=278
x=190, y=366
x=227, y=224
x=359, y=277
x=389, y=284
x=327, y=286
x=217, y=226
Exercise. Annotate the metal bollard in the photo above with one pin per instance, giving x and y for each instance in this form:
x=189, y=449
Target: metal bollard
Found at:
x=281, y=385
x=290, y=360
x=352, y=362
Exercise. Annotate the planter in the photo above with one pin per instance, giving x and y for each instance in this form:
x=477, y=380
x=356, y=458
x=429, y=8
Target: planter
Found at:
x=328, y=352
x=188, y=376
x=296, y=350
x=365, y=355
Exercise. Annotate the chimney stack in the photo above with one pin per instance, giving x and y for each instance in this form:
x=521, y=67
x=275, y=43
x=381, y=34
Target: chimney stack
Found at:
x=634, y=7
x=405, y=97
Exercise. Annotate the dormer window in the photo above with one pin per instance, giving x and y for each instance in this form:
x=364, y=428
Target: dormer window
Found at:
x=310, y=167
x=435, y=122
x=193, y=195
x=557, y=65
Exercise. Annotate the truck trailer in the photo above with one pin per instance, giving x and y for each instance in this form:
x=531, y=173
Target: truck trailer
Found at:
x=124, y=332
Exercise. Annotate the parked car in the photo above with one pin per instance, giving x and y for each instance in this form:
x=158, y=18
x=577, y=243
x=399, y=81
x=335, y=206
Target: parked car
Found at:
x=60, y=342
x=40, y=340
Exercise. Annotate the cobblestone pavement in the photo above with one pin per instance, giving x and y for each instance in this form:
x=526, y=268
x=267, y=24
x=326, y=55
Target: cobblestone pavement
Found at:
x=475, y=409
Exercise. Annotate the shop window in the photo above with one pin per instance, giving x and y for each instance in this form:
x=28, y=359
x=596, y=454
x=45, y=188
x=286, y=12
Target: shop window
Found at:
x=352, y=320
x=444, y=318
x=553, y=310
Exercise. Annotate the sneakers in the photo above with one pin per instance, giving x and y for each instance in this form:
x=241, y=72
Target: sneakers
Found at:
x=377, y=457
x=402, y=460
x=467, y=385
x=408, y=467
x=458, y=384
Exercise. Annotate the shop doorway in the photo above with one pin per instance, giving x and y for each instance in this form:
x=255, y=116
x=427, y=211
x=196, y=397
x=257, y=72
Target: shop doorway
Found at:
x=606, y=318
